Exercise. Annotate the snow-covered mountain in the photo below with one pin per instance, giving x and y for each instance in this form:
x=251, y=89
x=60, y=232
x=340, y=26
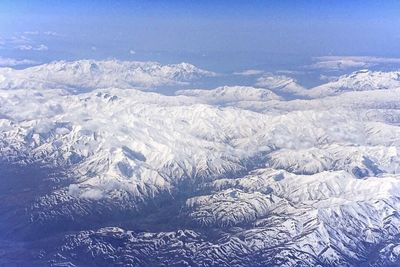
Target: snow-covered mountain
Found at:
x=234, y=176
x=153, y=138
x=281, y=85
x=86, y=75
x=230, y=95
x=363, y=80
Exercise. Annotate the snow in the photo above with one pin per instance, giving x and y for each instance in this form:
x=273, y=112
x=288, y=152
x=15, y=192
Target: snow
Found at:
x=86, y=75
x=307, y=180
x=280, y=84
x=180, y=138
x=229, y=95
x=362, y=80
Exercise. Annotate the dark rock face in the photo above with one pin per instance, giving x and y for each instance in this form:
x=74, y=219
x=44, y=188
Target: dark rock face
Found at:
x=20, y=188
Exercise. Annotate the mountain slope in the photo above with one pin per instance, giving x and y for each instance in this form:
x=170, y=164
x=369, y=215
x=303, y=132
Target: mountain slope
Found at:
x=231, y=177
x=149, y=141
x=281, y=85
x=229, y=95
x=363, y=80
x=83, y=75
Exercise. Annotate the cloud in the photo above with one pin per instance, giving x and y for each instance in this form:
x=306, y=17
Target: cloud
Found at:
x=132, y=52
x=337, y=63
x=250, y=72
x=48, y=33
x=12, y=62
x=290, y=72
x=32, y=32
x=28, y=47
x=274, y=81
x=26, y=41
x=25, y=47
x=14, y=42
x=18, y=40
x=328, y=78
x=42, y=47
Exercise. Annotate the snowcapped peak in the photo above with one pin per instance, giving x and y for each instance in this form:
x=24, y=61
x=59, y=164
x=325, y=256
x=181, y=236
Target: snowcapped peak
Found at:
x=84, y=75
x=275, y=81
x=361, y=80
x=228, y=95
x=280, y=84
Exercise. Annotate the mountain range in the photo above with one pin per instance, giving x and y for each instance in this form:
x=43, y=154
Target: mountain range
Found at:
x=231, y=176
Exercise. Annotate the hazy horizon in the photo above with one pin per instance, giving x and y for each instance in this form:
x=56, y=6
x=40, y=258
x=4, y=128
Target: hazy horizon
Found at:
x=219, y=35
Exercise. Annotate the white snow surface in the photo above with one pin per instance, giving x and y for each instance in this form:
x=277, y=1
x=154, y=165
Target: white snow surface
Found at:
x=362, y=80
x=280, y=84
x=146, y=142
x=84, y=75
x=230, y=95
x=318, y=176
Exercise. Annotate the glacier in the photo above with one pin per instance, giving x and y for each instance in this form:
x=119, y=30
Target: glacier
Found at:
x=231, y=176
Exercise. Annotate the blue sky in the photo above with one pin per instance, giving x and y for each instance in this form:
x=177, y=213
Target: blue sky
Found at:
x=215, y=34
